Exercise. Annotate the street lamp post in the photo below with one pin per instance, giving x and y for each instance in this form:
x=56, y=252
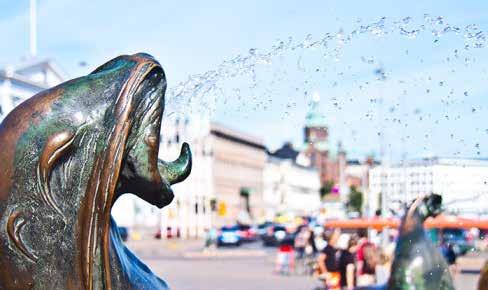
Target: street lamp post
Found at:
x=33, y=28
x=381, y=76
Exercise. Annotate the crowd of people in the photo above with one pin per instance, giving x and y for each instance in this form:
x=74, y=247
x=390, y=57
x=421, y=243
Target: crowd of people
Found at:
x=349, y=260
x=341, y=261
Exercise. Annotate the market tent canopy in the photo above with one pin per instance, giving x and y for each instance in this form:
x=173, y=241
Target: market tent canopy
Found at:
x=441, y=221
x=450, y=221
x=358, y=223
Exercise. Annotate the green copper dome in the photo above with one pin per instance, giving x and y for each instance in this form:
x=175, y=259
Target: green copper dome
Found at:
x=314, y=117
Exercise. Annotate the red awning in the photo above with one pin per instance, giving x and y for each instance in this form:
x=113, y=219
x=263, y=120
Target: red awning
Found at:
x=364, y=223
x=441, y=221
x=450, y=221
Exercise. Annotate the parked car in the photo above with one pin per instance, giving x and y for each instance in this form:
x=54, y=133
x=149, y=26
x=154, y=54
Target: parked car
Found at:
x=274, y=235
x=229, y=236
x=247, y=233
x=261, y=230
x=124, y=233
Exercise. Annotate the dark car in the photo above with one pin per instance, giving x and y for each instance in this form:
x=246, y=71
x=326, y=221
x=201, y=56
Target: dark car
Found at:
x=124, y=233
x=274, y=235
x=229, y=236
x=261, y=230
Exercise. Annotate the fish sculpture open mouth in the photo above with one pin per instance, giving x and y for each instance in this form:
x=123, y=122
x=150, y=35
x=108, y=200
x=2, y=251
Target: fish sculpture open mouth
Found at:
x=141, y=171
x=68, y=154
x=417, y=263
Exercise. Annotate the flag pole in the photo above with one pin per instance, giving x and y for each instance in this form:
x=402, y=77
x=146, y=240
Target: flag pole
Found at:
x=33, y=28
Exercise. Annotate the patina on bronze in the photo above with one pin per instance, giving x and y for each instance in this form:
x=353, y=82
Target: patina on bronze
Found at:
x=483, y=281
x=417, y=263
x=67, y=154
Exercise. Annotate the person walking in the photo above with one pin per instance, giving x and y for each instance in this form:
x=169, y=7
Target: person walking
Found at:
x=301, y=241
x=327, y=261
x=366, y=260
x=305, y=250
x=285, y=257
x=451, y=257
x=346, y=261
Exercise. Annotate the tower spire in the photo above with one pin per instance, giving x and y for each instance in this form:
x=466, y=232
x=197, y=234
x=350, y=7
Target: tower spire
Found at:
x=316, y=97
x=314, y=117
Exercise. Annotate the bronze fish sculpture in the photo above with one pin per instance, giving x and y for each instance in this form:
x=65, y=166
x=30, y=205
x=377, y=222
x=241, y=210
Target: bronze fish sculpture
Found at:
x=483, y=280
x=67, y=154
x=417, y=263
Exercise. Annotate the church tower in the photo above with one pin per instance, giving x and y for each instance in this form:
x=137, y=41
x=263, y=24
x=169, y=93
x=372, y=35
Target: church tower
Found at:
x=316, y=131
x=316, y=135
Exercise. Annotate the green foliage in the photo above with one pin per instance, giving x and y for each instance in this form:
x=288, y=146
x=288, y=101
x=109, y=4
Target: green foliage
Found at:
x=213, y=204
x=326, y=188
x=355, y=200
x=245, y=192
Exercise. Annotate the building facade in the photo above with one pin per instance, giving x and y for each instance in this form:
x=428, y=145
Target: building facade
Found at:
x=224, y=187
x=22, y=81
x=357, y=172
x=463, y=184
x=290, y=189
x=190, y=213
x=238, y=163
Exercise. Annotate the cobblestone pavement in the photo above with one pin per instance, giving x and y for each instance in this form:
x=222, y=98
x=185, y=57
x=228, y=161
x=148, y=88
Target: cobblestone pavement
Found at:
x=185, y=267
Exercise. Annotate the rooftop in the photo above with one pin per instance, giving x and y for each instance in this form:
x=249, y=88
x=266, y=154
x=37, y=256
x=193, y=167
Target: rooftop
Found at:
x=227, y=133
x=27, y=73
x=430, y=161
x=285, y=152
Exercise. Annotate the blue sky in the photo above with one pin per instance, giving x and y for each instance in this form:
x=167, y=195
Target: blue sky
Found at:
x=425, y=100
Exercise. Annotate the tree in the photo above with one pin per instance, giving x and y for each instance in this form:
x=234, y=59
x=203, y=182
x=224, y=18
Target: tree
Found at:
x=213, y=204
x=326, y=188
x=355, y=200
